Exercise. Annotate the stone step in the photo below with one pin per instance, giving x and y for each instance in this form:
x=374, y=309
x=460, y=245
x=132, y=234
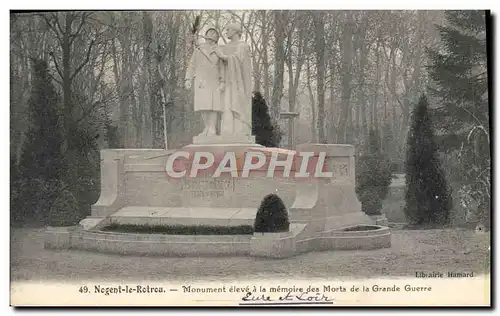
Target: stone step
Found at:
x=189, y=216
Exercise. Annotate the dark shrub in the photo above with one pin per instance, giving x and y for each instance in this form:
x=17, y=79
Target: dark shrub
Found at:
x=65, y=209
x=428, y=196
x=266, y=132
x=373, y=177
x=272, y=216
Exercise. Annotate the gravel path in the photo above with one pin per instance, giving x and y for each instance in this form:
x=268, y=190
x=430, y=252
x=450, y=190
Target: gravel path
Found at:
x=449, y=250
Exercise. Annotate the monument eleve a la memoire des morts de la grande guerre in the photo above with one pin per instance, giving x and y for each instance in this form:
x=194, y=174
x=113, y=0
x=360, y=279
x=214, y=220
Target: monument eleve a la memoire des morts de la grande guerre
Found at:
x=136, y=188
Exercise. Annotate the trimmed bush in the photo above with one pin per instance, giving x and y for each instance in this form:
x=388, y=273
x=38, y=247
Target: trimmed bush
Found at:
x=267, y=133
x=428, y=195
x=272, y=216
x=39, y=202
x=373, y=177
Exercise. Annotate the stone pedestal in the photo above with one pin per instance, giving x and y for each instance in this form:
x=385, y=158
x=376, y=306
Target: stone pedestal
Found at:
x=137, y=190
x=225, y=140
x=135, y=182
x=326, y=204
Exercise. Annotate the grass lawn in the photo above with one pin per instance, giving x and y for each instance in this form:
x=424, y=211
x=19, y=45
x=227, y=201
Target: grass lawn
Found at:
x=444, y=250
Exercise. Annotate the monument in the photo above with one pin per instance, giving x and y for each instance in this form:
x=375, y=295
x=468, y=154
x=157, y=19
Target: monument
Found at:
x=223, y=88
x=136, y=187
x=206, y=68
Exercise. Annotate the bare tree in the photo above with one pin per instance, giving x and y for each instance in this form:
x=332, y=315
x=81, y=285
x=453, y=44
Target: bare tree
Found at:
x=280, y=20
x=319, y=45
x=346, y=74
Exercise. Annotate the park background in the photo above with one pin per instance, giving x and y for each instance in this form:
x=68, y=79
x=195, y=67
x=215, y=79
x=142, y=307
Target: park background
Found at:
x=84, y=81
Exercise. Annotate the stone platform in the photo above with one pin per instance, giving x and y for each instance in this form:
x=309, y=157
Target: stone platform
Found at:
x=135, y=189
x=186, y=216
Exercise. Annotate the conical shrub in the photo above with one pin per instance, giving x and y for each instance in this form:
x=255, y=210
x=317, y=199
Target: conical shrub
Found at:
x=272, y=216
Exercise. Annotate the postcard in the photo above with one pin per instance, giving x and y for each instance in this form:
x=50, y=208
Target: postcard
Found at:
x=250, y=158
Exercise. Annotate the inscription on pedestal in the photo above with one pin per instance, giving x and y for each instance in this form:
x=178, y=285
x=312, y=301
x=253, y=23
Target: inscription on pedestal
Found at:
x=340, y=171
x=207, y=188
x=339, y=168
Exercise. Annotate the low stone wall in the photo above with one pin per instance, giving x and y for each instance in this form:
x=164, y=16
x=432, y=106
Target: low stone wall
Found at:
x=58, y=237
x=162, y=245
x=273, y=245
x=268, y=245
x=364, y=239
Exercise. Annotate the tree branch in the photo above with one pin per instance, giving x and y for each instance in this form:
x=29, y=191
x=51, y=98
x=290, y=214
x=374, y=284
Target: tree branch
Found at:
x=87, y=58
x=52, y=27
x=51, y=54
x=57, y=23
x=85, y=114
x=56, y=80
x=73, y=36
x=393, y=92
x=248, y=32
x=99, y=76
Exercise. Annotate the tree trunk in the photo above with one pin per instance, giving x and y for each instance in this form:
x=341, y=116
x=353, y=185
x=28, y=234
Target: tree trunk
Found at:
x=123, y=108
x=155, y=94
x=313, y=106
x=265, y=57
x=331, y=129
x=346, y=79
x=319, y=40
x=377, y=86
x=279, y=62
x=147, y=138
x=170, y=87
x=66, y=71
x=363, y=60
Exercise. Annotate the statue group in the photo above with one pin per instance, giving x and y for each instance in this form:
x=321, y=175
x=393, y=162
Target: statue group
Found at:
x=221, y=79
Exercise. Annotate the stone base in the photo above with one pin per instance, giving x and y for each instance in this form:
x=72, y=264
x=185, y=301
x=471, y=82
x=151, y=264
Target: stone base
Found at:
x=135, y=189
x=92, y=222
x=58, y=237
x=217, y=139
x=267, y=245
x=380, y=220
x=273, y=245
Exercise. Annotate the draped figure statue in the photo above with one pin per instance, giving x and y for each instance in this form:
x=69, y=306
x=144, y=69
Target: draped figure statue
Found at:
x=236, y=117
x=206, y=71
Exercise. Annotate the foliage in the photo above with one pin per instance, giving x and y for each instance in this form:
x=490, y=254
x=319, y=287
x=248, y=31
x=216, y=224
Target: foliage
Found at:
x=459, y=74
x=41, y=202
x=360, y=228
x=42, y=164
x=373, y=176
x=364, y=69
x=272, y=216
x=428, y=196
x=64, y=211
x=46, y=190
x=266, y=133
x=180, y=229
x=32, y=200
x=42, y=157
